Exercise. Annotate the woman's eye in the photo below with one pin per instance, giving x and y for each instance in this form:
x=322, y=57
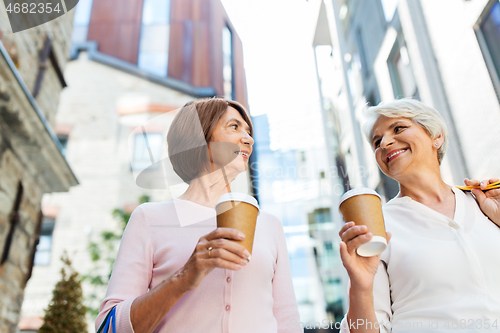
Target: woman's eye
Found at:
x=398, y=129
x=235, y=126
x=376, y=144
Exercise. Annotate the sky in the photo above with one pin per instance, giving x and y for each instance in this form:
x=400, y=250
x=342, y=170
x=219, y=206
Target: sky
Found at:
x=279, y=63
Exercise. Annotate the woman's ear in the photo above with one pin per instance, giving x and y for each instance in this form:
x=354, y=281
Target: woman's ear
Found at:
x=438, y=141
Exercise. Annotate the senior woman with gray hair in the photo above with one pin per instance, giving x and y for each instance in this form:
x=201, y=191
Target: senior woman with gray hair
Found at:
x=441, y=268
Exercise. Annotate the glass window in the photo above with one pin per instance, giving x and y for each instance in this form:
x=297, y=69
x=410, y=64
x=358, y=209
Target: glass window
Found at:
x=227, y=51
x=63, y=139
x=403, y=80
x=81, y=21
x=354, y=78
x=155, y=34
x=490, y=39
x=361, y=45
x=147, y=150
x=390, y=7
x=44, y=247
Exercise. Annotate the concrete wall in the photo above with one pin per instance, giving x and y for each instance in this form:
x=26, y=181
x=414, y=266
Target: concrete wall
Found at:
x=472, y=99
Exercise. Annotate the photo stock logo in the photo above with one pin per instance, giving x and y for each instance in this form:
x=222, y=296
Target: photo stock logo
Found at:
x=26, y=14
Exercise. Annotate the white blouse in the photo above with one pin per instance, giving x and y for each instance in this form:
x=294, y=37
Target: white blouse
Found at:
x=438, y=274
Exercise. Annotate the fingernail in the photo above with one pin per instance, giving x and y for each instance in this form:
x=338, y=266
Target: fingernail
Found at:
x=246, y=253
x=249, y=257
x=238, y=266
x=368, y=234
x=243, y=261
x=241, y=235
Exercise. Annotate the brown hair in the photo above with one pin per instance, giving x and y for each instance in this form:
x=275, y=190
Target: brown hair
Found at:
x=192, y=129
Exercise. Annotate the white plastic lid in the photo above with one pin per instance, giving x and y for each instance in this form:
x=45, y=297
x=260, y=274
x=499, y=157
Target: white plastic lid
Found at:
x=357, y=191
x=374, y=247
x=235, y=196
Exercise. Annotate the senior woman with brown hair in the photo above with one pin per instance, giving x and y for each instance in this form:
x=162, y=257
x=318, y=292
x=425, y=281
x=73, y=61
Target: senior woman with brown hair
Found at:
x=441, y=268
x=175, y=270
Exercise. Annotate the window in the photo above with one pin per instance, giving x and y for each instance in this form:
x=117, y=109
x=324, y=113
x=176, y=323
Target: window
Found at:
x=346, y=12
x=227, y=70
x=403, y=80
x=362, y=52
x=44, y=247
x=488, y=34
x=147, y=150
x=63, y=139
x=354, y=78
x=81, y=21
x=390, y=7
x=155, y=33
x=14, y=221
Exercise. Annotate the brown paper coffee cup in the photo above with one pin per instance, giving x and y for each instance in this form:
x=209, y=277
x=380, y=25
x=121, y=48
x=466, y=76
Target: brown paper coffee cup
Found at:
x=363, y=207
x=238, y=211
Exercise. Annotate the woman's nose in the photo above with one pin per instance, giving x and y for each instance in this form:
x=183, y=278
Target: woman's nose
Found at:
x=248, y=140
x=386, y=141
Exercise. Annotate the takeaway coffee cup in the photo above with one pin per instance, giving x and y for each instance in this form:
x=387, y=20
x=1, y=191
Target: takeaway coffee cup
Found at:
x=363, y=207
x=238, y=211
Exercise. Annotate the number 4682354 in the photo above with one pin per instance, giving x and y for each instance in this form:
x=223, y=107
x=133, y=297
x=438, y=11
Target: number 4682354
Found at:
x=33, y=8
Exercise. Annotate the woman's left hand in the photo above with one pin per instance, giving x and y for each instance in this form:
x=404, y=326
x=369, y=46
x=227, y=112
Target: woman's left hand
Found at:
x=489, y=201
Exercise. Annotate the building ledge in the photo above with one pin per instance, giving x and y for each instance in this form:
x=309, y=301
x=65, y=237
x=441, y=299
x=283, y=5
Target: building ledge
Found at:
x=93, y=54
x=28, y=132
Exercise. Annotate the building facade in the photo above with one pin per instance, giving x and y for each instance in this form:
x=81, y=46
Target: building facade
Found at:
x=31, y=159
x=444, y=53
x=441, y=52
x=133, y=64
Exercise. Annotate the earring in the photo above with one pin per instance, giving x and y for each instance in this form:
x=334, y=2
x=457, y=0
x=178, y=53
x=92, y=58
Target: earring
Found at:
x=436, y=144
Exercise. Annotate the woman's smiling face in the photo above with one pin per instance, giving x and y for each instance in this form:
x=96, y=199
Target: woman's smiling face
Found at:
x=232, y=128
x=402, y=146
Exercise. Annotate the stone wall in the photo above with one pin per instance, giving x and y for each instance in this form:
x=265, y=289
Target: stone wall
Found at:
x=28, y=154
x=14, y=272
x=25, y=47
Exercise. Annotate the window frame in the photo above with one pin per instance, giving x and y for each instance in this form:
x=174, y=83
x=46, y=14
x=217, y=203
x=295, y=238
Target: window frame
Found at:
x=166, y=24
x=397, y=86
x=233, y=95
x=46, y=230
x=485, y=50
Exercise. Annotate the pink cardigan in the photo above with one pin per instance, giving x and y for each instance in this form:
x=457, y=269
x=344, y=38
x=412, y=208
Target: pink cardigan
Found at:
x=258, y=298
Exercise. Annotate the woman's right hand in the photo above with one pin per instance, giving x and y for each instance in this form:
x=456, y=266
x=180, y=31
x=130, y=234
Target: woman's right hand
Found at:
x=224, y=254
x=361, y=270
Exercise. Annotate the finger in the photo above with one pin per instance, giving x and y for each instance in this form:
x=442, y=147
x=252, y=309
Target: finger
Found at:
x=492, y=193
x=221, y=253
x=484, y=184
x=225, y=233
x=480, y=196
x=225, y=264
x=344, y=255
x=230, y=246
x=354, y=232
x=493, y=180
x=389, y=236
x=345, y=227
x=353, y=244
x=471, y=182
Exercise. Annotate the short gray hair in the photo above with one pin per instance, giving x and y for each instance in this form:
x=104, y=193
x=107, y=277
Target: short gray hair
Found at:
x=426, y=116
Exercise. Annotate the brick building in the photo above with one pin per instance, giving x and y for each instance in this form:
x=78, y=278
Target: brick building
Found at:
x=31, y=161
x=132, y=61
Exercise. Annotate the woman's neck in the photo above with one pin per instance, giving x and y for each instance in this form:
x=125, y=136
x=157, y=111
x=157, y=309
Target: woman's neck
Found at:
x=208, y=189
x=425, y=186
